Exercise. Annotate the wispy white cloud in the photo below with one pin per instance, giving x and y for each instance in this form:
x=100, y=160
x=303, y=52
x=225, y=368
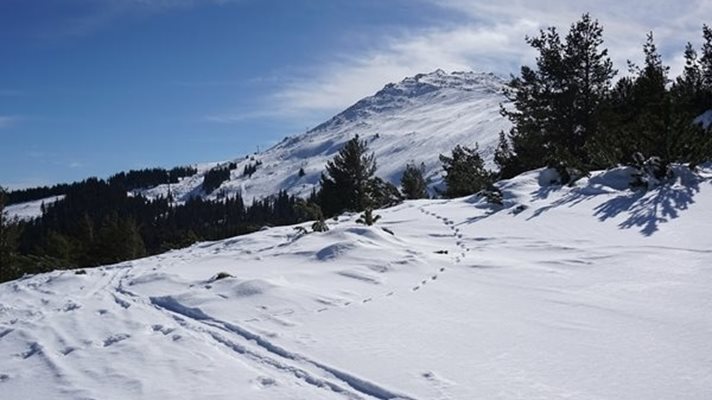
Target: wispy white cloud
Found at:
x=491, y=38
x=350, y=77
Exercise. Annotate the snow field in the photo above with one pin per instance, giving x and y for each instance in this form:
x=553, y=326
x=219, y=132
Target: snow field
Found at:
x=591, y=292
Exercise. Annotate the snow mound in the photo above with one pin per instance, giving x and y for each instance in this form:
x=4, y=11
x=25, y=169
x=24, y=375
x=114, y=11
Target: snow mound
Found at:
x=252, y=287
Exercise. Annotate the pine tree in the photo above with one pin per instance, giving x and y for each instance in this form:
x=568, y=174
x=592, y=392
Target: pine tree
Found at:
x=556, y=106
x=613, y=144
x=505, y=159
x=465, y=172
x=382, y=194
x=4, y=242
x=653, y=104
x=653, y=124
x=346, y=184
x=588, y=72
x=368, y=218
x=706, y=62
x=532, y=95
x=118, y=239
x=688, y=90
x=413, y=184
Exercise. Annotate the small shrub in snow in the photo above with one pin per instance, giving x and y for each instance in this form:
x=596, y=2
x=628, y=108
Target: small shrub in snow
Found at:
x=320, y=226
x=493, y=195
x=301, y=230
x=650, y=172
x=518, y=209
x=567, y=175
x=368, y=218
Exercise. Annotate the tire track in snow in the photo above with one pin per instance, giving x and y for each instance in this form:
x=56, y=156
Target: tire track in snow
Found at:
x=276, y=356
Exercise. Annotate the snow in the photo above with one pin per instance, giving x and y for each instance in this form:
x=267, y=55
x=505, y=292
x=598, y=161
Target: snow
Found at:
x=31, y=209
x=586, y=292
x=410, y=121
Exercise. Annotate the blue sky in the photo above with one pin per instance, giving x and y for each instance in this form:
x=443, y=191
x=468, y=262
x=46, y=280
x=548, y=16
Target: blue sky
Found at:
x=92, y=87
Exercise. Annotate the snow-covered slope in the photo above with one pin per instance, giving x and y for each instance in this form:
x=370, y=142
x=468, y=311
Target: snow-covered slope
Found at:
x=411, y=121
x=31, y=209
x=592, y=292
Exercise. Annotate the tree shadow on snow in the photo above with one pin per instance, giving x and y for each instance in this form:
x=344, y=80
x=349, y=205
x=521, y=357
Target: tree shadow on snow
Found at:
x=642, y=209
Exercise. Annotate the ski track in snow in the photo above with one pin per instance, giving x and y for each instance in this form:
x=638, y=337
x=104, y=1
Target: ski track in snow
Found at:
x=248, y=344
x=276, y=356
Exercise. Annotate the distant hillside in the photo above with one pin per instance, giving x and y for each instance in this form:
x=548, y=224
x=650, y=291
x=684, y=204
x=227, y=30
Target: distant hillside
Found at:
x=414, y=120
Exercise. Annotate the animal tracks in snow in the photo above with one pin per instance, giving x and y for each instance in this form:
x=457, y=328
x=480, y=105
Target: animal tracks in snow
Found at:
x=456, y=234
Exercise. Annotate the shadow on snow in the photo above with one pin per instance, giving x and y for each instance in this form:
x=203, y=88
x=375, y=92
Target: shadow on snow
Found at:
x=643, y=209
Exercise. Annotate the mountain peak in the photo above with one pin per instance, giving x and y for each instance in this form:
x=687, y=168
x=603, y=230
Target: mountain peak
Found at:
x=411, y=121
x=422, y=87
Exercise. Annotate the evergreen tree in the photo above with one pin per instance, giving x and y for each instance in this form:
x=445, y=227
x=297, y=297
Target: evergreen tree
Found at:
x=117, y=240
x=688, y=90
x=588, y=72
x=613, y=143
x=214, y=178
x=557, y=106
x=508, y=163
x=4, y=240
x=533, y=95
x=652, y=103
x=689, y=99
x=706, y=62
x=413, y=184
x=382, y=194
x=650, y=126
x=465, y=172
x=347, y=183
x=367, y=217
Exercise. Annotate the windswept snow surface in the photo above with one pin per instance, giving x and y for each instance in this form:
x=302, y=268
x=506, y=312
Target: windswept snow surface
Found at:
x=410, y=121
x=591, y=292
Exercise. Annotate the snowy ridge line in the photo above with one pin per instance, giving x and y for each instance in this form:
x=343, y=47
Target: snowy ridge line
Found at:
x=364, y=387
